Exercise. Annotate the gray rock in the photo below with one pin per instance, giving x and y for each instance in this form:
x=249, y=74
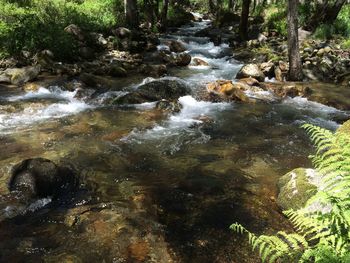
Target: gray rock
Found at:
x=168, y=89
x=19, y=76
x=251, y=70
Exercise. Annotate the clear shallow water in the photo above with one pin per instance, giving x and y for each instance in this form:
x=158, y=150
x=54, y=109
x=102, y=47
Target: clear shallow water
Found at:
x=156, y=187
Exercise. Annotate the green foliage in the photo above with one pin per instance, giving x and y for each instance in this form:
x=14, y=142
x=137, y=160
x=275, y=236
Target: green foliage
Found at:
x=345, y=44
x=323, y=225
x=35, y=25
x=340, y=27
x=276, y=18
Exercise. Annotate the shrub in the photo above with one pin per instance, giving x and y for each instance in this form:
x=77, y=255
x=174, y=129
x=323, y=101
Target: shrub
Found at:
x=340, y=27
x=323, y=225
x=35, y=25
x=276, y=18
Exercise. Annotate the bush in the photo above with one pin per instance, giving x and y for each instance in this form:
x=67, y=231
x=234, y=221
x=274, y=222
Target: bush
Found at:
x=340, y=27
x=276, y=18
x=36, y=25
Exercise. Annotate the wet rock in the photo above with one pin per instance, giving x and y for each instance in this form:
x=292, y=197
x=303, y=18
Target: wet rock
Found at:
x=168, y=89
x=154, y=70
x=250, y=81
x=251, y=70
x=176, y=46
x=180, y=59
x=170, y=106
x=229, y=90
x=296, y=187
x=117, y=71
x=96, y=82
x=183, y=59
x=268, y=68
x=286, y=89
x=199, y=62
x=31, y=87
x=40, y=177
x=18, y=76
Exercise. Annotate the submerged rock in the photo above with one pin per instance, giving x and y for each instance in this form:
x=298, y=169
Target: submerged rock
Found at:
x=39, y=177
x=296, y=187
x=251, y=70
x=168, y=89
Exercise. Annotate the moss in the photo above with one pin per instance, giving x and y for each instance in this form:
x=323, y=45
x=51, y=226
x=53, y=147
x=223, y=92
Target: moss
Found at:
x=295, y=189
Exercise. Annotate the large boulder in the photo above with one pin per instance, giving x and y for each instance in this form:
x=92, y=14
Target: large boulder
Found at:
x=19, y=76
x=155, y=71
x=296, y=187
x=228, y=90
x=176, y=46
x=251, y=70
x=38, y=178
x=169, y=89
x=179, y=59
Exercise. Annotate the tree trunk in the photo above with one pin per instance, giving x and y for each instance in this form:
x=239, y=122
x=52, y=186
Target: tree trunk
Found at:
x=164, y=14
x=325, y=13
x=131, y=13
x=332, y=12
x=243, y=26
x=230, y=5
x=148, y=6
x=212, y=7
x=295, y=67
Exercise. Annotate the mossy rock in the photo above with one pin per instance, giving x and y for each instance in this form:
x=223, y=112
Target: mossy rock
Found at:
x=345, y=128
x=295, y=188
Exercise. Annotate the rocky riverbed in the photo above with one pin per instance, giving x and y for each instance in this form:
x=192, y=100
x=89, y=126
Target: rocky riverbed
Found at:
x=164, y=164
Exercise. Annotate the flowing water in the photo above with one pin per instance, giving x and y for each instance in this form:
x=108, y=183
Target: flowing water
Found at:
x=155, y=187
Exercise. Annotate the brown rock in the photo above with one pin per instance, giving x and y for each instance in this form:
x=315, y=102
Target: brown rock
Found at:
x=31, y=87
x=139, y=250
x=250, y=81
x=289, y=89
x=278, y=74
x=154, y=70
x=199, y=62
x=229, y=90
x=176, y=46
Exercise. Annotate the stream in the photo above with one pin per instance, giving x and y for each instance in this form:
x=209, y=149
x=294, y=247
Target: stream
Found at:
x=154, y=186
